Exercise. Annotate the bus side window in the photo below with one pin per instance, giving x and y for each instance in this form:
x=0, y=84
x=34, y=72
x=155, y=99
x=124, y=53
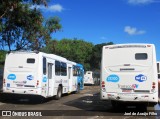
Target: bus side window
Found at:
x=50, y=70
x=44, y=66
x=74, y=71
x=57, y=68
x=63, y=69
x=78, y=71
x=81, y=73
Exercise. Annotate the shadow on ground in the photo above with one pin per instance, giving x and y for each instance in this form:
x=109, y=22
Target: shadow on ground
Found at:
x=25, y=99
x=91, y=105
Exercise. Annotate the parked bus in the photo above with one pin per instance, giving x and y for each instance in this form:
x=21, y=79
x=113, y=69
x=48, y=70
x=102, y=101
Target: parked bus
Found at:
x=91, y=78
x=129, y=74
x=38, y=73
x=80, y=76
x=78, y=73
x=88, y=78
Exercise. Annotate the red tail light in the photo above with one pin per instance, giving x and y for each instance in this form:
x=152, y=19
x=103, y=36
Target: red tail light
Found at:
x=103, y=84
x=153, y=85
x=4, y=81
x=37, y=82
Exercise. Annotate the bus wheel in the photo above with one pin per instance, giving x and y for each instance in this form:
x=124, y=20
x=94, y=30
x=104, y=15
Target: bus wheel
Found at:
x=59, y=93
x=114, y=104
x=117, y=105
x=150, y=108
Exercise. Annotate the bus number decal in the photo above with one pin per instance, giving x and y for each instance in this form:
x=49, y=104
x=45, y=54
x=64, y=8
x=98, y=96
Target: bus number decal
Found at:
x=11, y=76
x=140, y=78
x=112, y=78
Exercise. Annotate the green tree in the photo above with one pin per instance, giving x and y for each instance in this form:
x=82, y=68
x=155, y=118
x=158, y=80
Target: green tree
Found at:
x=96, y=55
x=2, y=57
x=50, y=46
x=24, y=28
x=77, y=50
x=73, y=49
x=10, y=5
x=82, y=51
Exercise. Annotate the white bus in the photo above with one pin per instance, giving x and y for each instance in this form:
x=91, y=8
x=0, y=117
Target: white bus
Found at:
x=91, y=78
x=38, y=73
x=88, y=78
x=129, y=74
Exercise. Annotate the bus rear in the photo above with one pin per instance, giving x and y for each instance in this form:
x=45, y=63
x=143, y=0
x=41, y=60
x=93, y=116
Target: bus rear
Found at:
x=20, y=73
x=129, y=74
x=88, y=78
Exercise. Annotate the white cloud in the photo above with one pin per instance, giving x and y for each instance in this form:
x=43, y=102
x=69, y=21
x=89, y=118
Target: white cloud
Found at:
x=133, y=31
x=136, y=2
x=52, y=8
x=103, y=38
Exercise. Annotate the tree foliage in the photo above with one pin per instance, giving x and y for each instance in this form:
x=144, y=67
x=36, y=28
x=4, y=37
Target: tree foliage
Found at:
x=97, y=55
x=2, y=56
x=77, y=50
x=24, y=28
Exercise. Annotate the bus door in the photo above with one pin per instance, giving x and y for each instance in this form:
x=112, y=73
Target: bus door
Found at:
x=50, y=79
x=70, y=79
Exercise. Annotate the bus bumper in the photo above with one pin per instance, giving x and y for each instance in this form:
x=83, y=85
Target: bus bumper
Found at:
x=21, y=91
x=128, y=97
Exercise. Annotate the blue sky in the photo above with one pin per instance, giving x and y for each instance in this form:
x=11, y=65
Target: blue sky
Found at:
x=101, y=21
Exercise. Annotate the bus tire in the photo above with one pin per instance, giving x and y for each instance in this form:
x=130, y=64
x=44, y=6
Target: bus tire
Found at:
x=150, y=108
x=117, y=105
x=114, y=104
x=59, y=93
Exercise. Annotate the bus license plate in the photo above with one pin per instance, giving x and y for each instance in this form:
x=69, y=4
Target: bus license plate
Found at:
x=19, y=85
x=128, y=91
